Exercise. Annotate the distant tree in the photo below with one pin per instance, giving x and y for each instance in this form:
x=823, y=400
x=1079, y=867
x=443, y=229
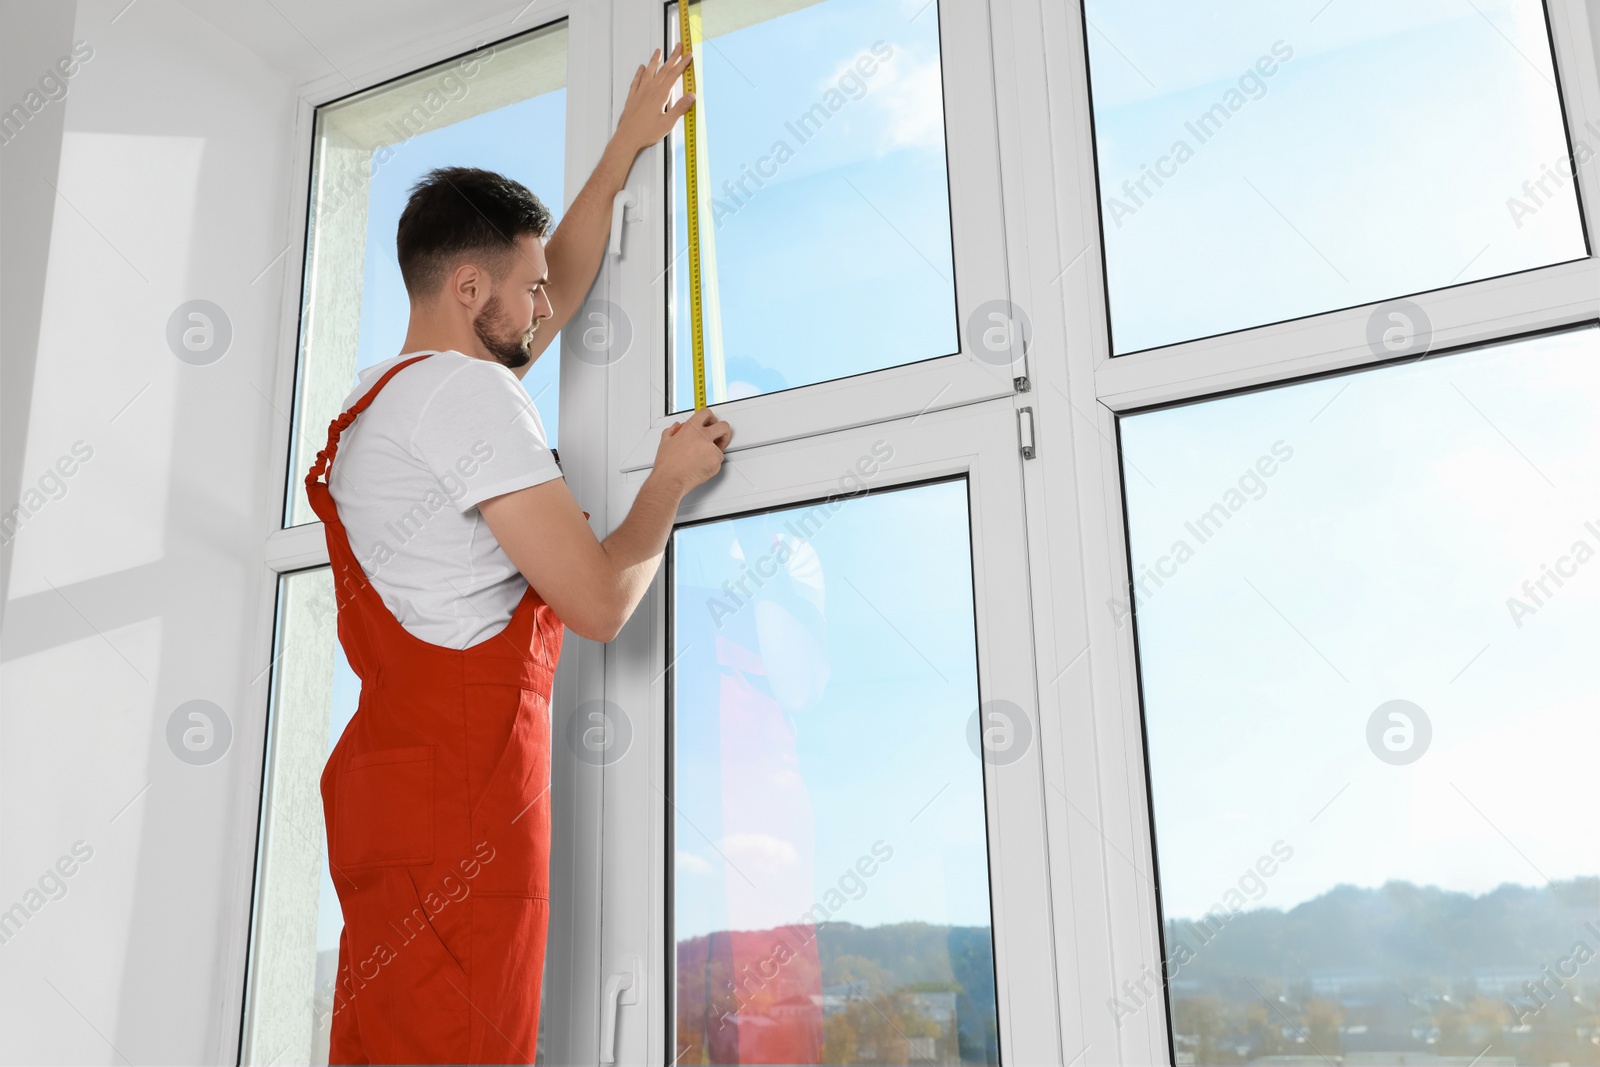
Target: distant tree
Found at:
x=878, y=1030
x=1201, y=1020
x=865, y=974
x=840, y=1039
x=1321, y=1019
x=1265, y=1029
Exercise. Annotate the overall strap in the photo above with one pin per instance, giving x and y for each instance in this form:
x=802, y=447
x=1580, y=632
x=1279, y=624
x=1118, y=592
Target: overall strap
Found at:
x=337, y=426
x=357, y=630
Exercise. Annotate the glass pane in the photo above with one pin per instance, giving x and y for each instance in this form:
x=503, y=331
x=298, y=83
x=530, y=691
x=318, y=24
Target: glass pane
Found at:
x=1260, y=162
x=502, y=108
x=825, y=213
x=830, y=886
x=1367, y=611
x=294, y=937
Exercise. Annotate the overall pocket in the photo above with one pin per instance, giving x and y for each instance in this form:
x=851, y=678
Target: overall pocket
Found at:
x=511, y=817
x=384, y=815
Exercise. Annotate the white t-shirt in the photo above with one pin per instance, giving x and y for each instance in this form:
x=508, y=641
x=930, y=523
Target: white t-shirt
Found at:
x=446, y=433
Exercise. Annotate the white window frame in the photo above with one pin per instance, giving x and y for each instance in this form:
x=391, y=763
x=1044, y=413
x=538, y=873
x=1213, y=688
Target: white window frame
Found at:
x=1316, y=344
x=1077, y=509
x=979, y=239
x=572, y=949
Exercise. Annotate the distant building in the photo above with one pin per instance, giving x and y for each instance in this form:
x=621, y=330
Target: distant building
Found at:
x=1504, y=981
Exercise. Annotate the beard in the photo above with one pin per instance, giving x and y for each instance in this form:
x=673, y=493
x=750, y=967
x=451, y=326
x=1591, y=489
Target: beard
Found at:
x=508, y=344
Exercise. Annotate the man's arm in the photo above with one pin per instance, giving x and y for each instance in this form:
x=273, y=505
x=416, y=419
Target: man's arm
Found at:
x=578, y=244
x=594, y=586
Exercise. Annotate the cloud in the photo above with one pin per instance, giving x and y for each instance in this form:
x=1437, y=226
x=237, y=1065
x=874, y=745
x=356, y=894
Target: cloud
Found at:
x=690, y=863
x=760, y=849
x=904, y=101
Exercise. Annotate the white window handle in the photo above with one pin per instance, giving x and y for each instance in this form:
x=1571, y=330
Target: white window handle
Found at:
x=619, y=990
x=625, y=205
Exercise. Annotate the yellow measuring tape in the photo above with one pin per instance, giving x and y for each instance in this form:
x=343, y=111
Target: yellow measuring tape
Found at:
x=705, y=309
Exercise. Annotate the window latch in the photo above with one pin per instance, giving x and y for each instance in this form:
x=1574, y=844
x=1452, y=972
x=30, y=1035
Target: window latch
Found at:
x=621, y=988
x=624, y=206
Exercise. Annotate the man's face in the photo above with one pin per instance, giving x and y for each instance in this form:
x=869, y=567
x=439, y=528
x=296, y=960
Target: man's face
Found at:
x=516, y=306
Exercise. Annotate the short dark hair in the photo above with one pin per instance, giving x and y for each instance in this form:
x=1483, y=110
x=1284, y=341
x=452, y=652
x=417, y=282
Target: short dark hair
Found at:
x=460, y=211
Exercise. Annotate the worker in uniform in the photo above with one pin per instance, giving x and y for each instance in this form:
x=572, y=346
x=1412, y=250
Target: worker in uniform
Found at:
x=459, y=557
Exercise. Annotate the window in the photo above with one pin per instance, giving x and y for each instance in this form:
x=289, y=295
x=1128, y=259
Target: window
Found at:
x=501, y=107
x=1366, y=607
x=849, y=764
x=855, y=262
x=830, y=874
x=295, y=928
x=295, y=943
x=1258, y=164
x=826, y=241
x=294, y=965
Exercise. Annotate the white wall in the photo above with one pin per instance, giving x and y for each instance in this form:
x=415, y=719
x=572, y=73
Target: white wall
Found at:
x=163, y=174
x=140, y=587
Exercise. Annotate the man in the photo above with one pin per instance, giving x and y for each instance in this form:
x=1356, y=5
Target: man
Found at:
x=458, y=556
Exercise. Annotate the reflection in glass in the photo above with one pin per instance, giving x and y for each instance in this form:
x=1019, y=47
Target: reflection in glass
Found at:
x=1367, y=612
x=1259, y=162
x=830, y=898
x=823, y=126
x=502, y=108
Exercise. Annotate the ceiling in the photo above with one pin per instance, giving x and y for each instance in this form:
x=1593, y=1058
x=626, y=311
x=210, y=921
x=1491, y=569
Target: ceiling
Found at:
x=309, y=39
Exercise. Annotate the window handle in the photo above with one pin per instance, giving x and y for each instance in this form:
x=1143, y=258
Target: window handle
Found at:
x=625, y=205
x=620, y=989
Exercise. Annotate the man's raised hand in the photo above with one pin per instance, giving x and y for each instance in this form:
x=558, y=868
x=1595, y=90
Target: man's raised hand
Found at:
x=646, y=118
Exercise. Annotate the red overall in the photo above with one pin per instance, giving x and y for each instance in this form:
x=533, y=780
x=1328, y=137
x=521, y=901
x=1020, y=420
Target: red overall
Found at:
x=436, y=799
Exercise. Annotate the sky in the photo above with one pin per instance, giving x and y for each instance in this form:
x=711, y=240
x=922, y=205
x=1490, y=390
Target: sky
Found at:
x=1375, y=161
x=1375, y=563
x=863, y=669
x=819, y=280
x=525, y=141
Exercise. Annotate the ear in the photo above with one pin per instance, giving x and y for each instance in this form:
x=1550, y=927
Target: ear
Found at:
x=469, y=285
